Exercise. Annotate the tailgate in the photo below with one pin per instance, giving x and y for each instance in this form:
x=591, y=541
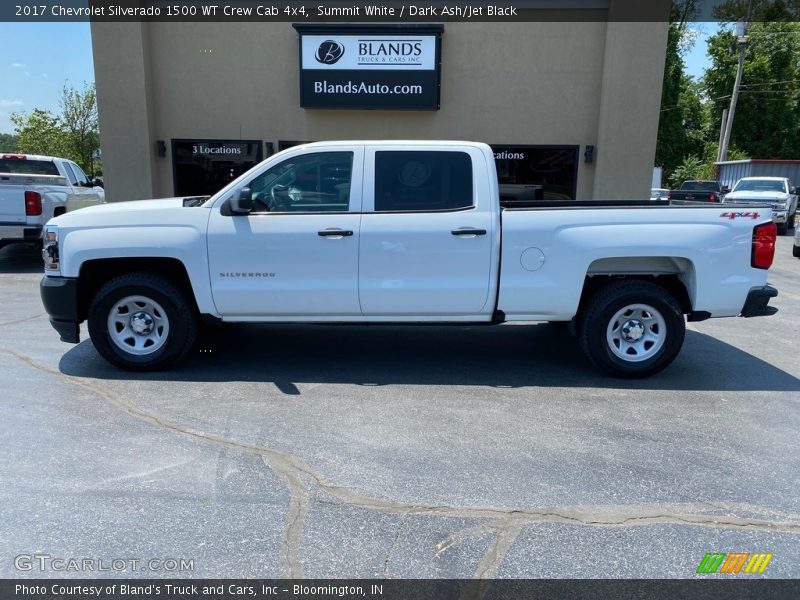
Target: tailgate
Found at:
x=12, y=193
x=12, y=203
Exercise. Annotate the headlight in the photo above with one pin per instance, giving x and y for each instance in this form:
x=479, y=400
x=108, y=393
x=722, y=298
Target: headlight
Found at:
x=50, y=249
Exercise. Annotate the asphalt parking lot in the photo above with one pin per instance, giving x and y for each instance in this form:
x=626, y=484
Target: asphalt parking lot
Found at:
x=328, y=451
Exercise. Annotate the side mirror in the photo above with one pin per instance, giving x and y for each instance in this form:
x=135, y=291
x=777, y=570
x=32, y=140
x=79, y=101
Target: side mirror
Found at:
x=96, y=182
x=793, y=191
x=725, y=190
x=243, y=203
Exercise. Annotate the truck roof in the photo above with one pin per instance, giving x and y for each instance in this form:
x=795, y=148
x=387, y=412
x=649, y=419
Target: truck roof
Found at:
x=19, y=156
x=391, y=143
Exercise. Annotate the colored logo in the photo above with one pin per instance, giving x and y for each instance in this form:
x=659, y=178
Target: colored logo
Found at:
x=329, y=52
x=734, y=562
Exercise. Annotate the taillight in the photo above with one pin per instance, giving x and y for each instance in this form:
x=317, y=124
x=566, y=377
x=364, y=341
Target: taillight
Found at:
x=33, y=204
x=712, y=197
x=763, y=251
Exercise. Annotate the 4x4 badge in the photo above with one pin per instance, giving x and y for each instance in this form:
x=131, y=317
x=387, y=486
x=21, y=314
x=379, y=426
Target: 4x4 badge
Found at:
x=736, y=215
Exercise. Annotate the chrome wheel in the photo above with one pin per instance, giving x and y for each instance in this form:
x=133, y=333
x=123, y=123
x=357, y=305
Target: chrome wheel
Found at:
x=636, y=332
x=138, y=325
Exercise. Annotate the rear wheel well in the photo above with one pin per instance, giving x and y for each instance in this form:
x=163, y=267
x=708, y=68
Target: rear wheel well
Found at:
x=95, y=273
x=671, y=283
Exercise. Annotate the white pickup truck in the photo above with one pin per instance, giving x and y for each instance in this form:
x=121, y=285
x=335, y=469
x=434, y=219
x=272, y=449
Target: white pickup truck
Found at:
x=34, y=189
x=400, y=232
x=777, y=192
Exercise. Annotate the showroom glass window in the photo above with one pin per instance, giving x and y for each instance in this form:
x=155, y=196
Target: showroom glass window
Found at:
x=203, y=167
x=530, y=173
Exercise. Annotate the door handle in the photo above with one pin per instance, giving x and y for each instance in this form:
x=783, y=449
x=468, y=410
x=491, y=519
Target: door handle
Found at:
x=334, y=233
x=468, y=231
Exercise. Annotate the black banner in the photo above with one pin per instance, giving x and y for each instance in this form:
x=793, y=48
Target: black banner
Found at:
x=397, y=589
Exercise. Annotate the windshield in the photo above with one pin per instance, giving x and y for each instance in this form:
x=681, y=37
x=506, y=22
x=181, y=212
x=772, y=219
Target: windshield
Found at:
x=760, y=185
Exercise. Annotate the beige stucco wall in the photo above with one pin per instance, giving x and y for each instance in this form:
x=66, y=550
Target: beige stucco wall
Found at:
x=503, y=83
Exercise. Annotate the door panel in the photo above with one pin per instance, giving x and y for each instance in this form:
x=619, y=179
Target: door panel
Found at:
x=423, y=262
x=289, y=260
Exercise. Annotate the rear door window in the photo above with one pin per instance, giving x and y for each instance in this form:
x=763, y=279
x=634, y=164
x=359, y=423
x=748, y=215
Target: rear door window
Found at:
x=415, y=181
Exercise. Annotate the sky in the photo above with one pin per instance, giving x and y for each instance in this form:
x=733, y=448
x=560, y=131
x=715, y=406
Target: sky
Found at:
x=36, y=59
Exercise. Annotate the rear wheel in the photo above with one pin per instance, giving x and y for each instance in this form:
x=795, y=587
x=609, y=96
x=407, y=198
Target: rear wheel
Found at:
x=796, y=251
x=142, y=322
x=631, y=329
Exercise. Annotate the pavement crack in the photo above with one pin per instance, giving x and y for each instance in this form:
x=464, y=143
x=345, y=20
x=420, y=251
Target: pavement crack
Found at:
x=292, y=540
x=300, y=478
x=507, y=533
x=15, y=321
x=394, y=543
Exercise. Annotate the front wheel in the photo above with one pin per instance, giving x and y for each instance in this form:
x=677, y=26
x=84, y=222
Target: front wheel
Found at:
x=632, y=329
x=142, y=322
x=796, y=251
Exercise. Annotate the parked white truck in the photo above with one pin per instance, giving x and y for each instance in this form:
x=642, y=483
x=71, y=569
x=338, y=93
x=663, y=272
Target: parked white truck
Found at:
x=777, y=192
x=34, y=189
x=399, y=232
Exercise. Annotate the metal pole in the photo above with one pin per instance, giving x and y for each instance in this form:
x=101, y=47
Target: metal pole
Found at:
x=723, y=151
x=742, y=43
x=722, y=133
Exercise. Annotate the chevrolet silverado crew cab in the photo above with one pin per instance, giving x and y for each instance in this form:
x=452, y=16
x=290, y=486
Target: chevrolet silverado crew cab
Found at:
x=33, y=189
x=777, y=192
x=399, y=232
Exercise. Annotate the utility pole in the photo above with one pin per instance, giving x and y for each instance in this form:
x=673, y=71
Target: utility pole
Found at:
x=722, y=134
x=741, y=42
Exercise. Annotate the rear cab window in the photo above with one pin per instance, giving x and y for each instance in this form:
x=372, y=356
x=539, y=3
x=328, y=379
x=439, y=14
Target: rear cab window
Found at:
x=28, y=167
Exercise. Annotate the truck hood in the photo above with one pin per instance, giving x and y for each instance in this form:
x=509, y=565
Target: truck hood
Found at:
x=134, y=211
x=746, y=196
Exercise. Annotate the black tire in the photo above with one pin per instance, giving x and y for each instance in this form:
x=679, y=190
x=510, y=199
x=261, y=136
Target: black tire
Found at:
x=790, y=222
x=783, y=228
x=661, y=320
x=796, y=251
x=178, y=324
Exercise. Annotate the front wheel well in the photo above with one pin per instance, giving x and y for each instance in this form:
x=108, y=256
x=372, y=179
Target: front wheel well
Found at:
x=95, y=273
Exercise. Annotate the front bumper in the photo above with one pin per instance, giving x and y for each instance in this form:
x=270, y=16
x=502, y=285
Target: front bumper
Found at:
x=757, y=303
x=60, y=299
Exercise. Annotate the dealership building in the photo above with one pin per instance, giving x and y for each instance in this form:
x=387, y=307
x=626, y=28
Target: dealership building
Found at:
x=571, y=108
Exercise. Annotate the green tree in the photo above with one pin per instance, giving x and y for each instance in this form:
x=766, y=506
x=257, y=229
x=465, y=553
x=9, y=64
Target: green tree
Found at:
x=682, y=126
x=8, y=142
x=767, y=118
x=79, y=121
x=40, y=132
